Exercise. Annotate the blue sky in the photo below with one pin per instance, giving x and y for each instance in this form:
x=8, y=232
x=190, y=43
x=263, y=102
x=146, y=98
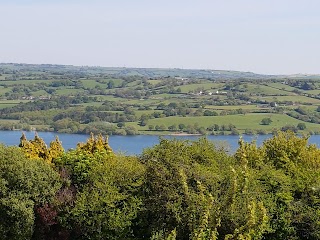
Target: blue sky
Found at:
x=273, y=37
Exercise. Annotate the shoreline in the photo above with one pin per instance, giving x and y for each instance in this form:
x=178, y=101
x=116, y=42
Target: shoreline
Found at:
x=166, y=133
x=186, y=134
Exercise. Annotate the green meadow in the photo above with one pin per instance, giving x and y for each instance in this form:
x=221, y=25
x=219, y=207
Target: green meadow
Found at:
x=136, y=101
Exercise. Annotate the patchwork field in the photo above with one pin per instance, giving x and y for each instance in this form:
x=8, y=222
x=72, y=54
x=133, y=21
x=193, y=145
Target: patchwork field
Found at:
x=155, y=101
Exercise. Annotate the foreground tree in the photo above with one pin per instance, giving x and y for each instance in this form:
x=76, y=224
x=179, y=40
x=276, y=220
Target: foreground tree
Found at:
x=288, y=172
x=174, y=190
x=25, y=186
x=181, y=190
x=195, y=191
x=37, y=149
x=103, y=191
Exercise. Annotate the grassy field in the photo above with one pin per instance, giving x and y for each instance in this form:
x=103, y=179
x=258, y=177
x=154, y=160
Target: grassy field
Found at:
x=141, y=112
x=314, y=92
x=253, y=93
x=13, y=101
x=4, y=90
x=154, y=82
x=295, y=99
x=205, y=86
x=6, y=105
x=282, y=86
x=96, y=104
x=134, y=83
x=4, y=121
x=244, y=107
x=68, y=91
x=39, y=93
x=242, y=122
x=266, y=90
x=92, y=83
x=25, y=82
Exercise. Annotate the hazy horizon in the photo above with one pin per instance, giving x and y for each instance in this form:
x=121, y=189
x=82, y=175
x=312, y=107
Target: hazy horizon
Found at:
x=274, y=37
x=206, y=69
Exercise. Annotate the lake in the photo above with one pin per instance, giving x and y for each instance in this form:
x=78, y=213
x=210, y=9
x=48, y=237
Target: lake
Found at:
x=131, y=145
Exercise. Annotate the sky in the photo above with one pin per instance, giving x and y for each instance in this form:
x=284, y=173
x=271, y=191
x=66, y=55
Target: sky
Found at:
x=261, y=36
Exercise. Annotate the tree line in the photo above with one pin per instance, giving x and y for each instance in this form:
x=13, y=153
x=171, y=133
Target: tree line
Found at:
x=175, y=190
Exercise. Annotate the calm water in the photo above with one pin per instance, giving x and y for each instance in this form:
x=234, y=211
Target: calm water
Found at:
x=130, y=144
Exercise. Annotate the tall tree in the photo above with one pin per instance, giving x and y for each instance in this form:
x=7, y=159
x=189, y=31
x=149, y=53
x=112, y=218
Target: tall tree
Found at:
x=25, y=186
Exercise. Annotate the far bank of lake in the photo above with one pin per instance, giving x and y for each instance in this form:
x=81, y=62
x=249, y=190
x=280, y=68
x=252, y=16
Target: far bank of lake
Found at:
x=133, y=145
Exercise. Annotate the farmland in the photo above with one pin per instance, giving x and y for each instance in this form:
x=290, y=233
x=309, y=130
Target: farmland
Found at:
x=155, y=101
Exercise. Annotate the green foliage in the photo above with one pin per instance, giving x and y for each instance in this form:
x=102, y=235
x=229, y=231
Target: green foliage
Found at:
x=181, y=188
x=106, y=200
x=106, y=205
x=301, y=126
x=24, y=186
x=266, y=121
x=288, y=175
x=82, y=100
x=175, y=190
x=267, y=192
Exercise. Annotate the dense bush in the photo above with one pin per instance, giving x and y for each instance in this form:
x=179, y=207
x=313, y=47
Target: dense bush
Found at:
x=25, y=187
x=174, y=190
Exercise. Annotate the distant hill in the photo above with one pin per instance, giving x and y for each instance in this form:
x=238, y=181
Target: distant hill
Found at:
x=146, y=72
